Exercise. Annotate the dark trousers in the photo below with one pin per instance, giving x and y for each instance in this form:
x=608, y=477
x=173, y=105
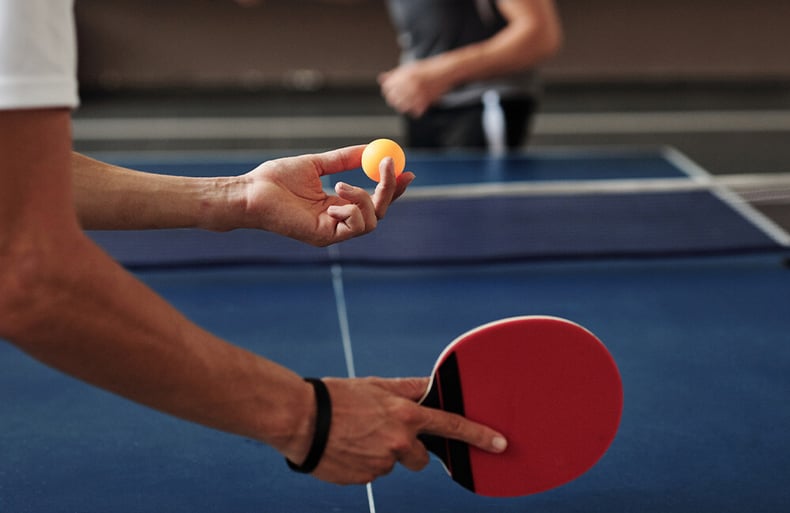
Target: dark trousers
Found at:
x=462, y=127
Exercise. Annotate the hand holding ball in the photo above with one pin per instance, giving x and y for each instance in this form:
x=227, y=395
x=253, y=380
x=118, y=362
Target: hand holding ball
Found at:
x=376, y=151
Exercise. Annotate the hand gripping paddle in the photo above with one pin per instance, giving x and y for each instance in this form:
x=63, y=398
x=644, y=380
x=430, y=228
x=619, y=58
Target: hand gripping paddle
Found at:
x=547, y=384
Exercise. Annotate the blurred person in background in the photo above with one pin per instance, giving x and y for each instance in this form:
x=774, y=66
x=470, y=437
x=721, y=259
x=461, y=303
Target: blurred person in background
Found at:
x=467, y=77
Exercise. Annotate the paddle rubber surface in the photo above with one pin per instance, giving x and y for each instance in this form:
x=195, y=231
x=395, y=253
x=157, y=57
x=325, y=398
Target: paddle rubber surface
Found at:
x=549, y=385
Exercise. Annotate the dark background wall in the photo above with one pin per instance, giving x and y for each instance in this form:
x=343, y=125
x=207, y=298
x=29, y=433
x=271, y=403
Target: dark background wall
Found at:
x=307, y=44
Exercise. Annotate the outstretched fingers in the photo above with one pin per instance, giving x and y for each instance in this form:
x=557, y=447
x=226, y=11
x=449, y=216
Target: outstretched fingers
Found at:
x=412, y=454
x=450, y=425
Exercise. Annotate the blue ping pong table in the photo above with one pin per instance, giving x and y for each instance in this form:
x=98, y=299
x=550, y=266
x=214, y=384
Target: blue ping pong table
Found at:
x=686, y=284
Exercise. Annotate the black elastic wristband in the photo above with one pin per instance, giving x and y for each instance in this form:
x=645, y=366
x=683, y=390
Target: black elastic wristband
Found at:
x=323, y=419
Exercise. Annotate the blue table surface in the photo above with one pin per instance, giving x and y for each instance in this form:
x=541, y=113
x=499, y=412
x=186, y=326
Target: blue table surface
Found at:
x=702, y=345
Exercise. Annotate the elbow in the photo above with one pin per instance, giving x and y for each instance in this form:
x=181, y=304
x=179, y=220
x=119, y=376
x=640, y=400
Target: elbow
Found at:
x=548, y=26
x=539, y=40
x=25, y=284
x=552, y=41
x=547, y=41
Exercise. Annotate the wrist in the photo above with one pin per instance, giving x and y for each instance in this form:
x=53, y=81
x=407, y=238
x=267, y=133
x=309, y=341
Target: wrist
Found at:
x=290, y=425
x=440, y=73
x=222, y=204
x=321, y=426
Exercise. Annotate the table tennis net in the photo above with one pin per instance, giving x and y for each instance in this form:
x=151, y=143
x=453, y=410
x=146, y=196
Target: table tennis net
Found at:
x=514, y=221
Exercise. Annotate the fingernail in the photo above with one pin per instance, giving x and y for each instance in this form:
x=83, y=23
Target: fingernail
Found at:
x=499, y=443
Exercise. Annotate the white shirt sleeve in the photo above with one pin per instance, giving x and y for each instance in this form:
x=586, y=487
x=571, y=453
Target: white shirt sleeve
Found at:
x=38, y=54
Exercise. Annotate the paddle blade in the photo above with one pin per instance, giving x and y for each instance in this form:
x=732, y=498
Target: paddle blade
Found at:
x=549, y=385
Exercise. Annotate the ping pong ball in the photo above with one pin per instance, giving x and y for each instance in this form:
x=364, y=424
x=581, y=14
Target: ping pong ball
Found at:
x=375, y=152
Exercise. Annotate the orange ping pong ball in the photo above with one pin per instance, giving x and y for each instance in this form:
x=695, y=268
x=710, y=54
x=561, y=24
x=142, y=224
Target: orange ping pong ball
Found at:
x=375, y=152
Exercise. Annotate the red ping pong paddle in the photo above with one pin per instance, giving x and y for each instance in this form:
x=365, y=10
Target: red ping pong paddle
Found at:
x=547, y=384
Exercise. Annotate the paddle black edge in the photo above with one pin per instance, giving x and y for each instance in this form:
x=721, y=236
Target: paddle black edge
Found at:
x=446, y=394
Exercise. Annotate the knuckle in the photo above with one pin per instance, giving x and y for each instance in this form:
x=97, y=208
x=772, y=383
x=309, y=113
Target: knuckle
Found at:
x=383, y=467
x=423, y=461
x=417, y=460
x=417, y=386
x=401, y=445
x=407, y=413
x=455, y=424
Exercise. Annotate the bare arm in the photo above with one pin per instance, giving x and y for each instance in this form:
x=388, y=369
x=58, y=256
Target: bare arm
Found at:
x=532, y=35
x=67, y=304
x=61, y=304
x=284, y=196
x=117, y=198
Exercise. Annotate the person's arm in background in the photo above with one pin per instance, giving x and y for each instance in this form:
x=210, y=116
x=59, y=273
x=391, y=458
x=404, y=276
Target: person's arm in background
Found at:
x=284, y=196
x=69, y=305
x=532, y=35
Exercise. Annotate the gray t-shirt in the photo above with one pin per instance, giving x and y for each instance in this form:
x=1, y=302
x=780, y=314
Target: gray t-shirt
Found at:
x=430, y=27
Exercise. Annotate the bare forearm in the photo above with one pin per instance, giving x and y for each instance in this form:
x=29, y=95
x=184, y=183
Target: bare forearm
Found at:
x=115, y=198
x=66, y=303
x=136, y=345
